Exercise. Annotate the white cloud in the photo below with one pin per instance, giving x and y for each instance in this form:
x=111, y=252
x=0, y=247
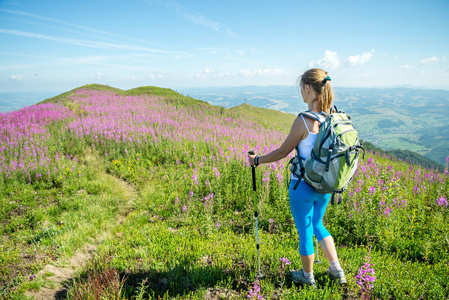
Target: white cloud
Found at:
x=208, y=73
x=100, y=76
x=432, y=59
x=329, y=61
x=85, y=29
x=263, y=72
x=358, y=60
x=17, y=77
x=158, y=74
x=193, y=16
x=187, y=14
x=226, y=51
x=86, y=43
x=231, y=33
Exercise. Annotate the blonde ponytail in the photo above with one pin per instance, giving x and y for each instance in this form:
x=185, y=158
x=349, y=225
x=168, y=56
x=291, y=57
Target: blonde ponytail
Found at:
x=321, y=83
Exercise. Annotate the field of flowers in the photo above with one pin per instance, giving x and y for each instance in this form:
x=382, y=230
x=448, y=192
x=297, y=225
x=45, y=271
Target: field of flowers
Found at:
x=188, y=229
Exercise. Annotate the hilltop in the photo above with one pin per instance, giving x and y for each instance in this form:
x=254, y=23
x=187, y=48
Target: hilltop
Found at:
x=149, y=196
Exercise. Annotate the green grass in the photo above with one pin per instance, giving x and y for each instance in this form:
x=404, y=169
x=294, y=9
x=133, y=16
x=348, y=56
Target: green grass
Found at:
x=64, y=97
x=131, y=202
x=267, y=117
x=42, y=224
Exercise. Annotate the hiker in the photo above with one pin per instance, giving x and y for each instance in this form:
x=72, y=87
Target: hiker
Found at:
x=308, y=206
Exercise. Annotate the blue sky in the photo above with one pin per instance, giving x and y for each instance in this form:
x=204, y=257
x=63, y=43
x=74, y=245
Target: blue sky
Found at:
x=60, y=45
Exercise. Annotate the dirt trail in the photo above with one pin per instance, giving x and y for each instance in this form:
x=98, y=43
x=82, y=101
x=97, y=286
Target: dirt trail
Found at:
x=64, y=270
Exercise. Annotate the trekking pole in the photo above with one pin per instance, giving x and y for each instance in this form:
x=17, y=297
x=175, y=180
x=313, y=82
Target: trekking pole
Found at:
x=318, y=261
x=253, y=171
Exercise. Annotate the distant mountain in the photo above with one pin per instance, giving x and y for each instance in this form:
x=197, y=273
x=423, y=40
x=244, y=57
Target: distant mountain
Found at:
x=391, y=118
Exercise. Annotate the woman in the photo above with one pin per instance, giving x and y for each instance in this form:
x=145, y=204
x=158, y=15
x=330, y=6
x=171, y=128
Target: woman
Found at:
x=306, y=204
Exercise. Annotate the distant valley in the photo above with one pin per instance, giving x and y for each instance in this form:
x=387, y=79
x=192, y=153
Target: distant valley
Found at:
x=390, y=118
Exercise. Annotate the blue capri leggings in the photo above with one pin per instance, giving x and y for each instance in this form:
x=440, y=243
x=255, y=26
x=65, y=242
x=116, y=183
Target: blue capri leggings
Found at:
x=308, y=208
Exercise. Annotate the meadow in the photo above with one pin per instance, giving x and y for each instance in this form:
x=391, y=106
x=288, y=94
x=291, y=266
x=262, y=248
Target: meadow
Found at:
x=161, y=185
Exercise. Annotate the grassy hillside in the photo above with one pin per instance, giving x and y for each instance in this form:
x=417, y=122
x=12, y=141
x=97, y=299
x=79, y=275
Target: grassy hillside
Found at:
x=269, y=117
x=64, y=97
x=149, y=197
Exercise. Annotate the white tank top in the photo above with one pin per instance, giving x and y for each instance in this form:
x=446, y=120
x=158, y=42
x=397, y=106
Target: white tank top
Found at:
x=306, y=145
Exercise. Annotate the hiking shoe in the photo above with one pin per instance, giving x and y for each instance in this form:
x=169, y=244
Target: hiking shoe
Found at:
x=338, y=275
x=298, y=278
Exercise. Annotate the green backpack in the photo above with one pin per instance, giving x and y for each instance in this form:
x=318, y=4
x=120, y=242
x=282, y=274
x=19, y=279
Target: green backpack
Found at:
x=332, y=163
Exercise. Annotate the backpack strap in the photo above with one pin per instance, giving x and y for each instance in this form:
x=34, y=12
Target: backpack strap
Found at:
x=360, y=147
x=336, y=110
x=301, y=169
x=339, y=198
x=312, y=115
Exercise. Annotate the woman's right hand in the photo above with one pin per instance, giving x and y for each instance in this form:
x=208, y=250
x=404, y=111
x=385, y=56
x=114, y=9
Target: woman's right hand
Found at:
x=251, y=159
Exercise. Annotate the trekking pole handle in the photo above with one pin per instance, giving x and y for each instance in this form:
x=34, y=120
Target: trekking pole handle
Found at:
x=253, y=171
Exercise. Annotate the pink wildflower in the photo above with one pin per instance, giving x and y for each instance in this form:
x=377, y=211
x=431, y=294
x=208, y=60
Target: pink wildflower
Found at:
x=442, y=201
x=366, y=276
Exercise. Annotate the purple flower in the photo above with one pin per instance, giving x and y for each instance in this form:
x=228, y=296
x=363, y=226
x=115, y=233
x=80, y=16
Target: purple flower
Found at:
x=285, y=261
x=416, y=189
x=210, y=197
x=279, y=177
x=217, y=225
x=190, y=193
x=254, y=291
x=387, y=212
x=195, y=178
x=371, y=190
x=271, y=221
x=442, y=201
x=266, y=176
x=366, y=275
x=184, y=208
x=217, y=173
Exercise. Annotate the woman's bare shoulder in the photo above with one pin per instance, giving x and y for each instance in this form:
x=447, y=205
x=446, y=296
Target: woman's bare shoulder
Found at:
x=298, y=127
